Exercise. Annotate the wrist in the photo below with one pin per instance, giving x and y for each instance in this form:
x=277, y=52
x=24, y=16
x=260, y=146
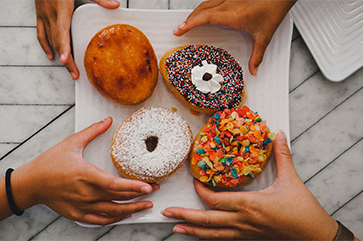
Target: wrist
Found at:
x=343, y=233
x=21, y=186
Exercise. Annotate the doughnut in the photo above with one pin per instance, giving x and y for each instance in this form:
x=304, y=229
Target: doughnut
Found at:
x=205, y=78
x=151, y=144
x=232, y=148
x=121, y=64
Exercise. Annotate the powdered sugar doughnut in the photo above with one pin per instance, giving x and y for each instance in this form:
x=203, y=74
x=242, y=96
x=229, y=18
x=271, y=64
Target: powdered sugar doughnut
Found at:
x=151, y=144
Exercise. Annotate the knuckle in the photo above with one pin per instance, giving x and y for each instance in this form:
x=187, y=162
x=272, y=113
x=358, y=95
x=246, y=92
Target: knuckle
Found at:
x=138, y=208
x=103, y=222
x=40, y=36
x=73, y=215
x=93, y=126
x=206, y=222
x=112, y=184
x=212, y=202
x=203, y=4
x=207, y=14
x=86, y=196
x=284, y=149
x=259, y=59
x=216, y=235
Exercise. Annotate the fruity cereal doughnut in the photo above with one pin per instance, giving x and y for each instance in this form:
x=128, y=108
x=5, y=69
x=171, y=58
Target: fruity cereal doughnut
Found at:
x=232, y=148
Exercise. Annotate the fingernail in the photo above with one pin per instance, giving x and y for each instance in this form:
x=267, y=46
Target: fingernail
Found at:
x=182, y=25
x=146, y=189
x=50, y=57
x=107, y=120
x=149, y=205
x=155, y=188
x=62, y=57
x=167, y=214
x=179, y=230
x=74, y=75
x=255, y=72
x=281, y=137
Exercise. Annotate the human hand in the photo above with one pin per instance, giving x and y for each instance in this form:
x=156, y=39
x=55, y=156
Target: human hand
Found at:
x=285, y=210
x=259, y=19
x=53, y=26
x=63, y=180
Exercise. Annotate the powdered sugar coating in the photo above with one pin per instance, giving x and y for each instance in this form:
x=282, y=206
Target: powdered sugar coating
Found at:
x=174, y=141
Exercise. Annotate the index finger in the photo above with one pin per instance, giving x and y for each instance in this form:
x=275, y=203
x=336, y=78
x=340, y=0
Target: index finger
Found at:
x=72, y=68
x=64, y=49
x=110, y=182
x=85, y=136
x=206, y=218
x=200, y=16
x=193, y=21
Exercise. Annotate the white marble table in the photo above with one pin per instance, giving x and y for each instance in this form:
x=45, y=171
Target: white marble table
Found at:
x=37, y=111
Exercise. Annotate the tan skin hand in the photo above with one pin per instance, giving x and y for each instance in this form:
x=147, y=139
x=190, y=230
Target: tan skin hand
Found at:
x=53, y=29
x=285, y=210
x=76, y=189
x=259, y=19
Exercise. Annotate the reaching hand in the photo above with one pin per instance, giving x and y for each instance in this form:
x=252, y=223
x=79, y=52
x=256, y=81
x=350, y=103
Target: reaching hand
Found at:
x=285, y=210
x=63, y=180
x=260, y=19
x=53, y=26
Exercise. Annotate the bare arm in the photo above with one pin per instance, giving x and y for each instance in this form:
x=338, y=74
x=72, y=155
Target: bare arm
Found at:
x=285, y=210
x=63, y=180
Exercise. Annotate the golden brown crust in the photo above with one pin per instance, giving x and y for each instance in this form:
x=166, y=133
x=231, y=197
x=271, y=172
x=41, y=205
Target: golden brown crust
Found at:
x=121, y=64
x=164, y=74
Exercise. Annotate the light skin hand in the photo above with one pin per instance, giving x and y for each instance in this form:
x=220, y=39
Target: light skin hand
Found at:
x=259, y=19
x=53, y=29
x=285, y=210
x=76, y=189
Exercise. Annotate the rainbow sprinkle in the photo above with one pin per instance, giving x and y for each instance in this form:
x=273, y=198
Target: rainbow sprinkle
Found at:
x=179, y=65
x=231, y=147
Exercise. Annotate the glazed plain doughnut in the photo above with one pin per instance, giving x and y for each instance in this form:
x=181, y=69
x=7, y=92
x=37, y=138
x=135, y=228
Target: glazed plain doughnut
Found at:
x=121, y=64
x=232, y=148
x=186, y=72
x=151, y=144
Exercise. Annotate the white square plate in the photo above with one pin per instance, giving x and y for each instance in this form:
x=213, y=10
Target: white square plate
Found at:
x=267, y=93
x=333, y=32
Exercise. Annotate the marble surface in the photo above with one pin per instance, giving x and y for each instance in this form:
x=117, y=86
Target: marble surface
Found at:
x=37, y=111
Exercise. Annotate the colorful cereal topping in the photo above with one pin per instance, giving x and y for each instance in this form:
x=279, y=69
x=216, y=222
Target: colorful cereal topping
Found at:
x=232, y=146
x=180, y=64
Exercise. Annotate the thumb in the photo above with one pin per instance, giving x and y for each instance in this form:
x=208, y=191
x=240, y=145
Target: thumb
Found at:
x=109, y=4
x=284, y=163
x=85, y=136
x=258, y=51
